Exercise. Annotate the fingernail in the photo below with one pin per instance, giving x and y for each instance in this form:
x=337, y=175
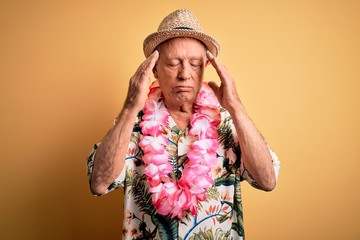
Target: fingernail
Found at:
x=209, y=55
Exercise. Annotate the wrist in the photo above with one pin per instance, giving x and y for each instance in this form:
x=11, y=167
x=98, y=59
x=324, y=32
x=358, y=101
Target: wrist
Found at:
x=131, y=105
x=234, y=105
x=127, y=112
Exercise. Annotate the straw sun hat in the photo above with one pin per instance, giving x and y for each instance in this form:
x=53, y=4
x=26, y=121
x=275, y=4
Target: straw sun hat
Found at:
x=181, y=23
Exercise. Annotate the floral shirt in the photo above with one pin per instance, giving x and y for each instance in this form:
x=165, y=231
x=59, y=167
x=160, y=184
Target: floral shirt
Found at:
x=220, y=216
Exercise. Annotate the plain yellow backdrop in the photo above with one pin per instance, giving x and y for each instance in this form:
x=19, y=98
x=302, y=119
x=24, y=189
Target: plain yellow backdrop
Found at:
x=64, y=70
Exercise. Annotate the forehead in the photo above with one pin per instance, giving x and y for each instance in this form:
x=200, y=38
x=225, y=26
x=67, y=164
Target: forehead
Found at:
x=177, y=47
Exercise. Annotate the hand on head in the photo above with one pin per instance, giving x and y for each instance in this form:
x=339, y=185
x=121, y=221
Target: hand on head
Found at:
x=139, y=83
x=226, y=93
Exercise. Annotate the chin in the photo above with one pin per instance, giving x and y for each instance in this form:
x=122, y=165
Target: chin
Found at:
x=186, y=99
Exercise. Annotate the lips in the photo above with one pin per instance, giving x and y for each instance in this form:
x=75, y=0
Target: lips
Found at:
x=183, y=89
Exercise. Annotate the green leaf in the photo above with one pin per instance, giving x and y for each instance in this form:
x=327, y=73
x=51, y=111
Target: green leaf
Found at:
x=238, y=226
x=208, y=234
x=225, y=180
x=142, y=196
x=167, y=227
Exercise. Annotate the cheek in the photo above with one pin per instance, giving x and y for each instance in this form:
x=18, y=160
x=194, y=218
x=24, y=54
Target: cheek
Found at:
x=165, y=84
x=167, y=73
x=199, y=74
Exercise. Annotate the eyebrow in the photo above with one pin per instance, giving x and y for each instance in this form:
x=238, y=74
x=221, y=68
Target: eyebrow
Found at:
x=191, y=58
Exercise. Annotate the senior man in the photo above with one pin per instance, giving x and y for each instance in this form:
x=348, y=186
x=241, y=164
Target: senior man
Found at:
x=181, y=147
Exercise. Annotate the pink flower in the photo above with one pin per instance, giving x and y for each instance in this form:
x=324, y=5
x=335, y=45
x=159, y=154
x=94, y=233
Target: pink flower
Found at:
x=191, y=173
x=164, y=189
x=203, y=147
x=170, y=187
x=164, y=195
x=154, y=116
x=182, y=201
x=210, y=159
x=199, y=176
x=201, y=126
x=163, y=206
x=155, y=111
x=154, y=181
x=165, y=169
x=195, y=199
x=155, y=91
x=209, y=145
x=193, y=209
x=206, y=96
x=156, y=159
x=196, y=191
x=153, y=144
x=204, y=181
x=148, y=127
x=203, y=152
x=170, y=196
x=152, y=170
x=212, y=112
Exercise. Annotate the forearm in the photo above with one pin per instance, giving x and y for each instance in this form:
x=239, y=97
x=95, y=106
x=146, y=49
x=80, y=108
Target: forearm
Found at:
x=255, y=152
x=110, y=156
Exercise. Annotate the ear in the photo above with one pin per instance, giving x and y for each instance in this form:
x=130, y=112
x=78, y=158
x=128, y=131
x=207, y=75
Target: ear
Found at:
x=154, y=70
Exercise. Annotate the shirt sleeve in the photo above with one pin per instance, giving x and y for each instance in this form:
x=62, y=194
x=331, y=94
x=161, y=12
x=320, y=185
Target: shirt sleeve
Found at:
x=133, y=156
x=117, y=183
x=242, y=171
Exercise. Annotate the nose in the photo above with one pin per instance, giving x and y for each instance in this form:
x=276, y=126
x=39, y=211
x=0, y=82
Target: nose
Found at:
x=184, y=72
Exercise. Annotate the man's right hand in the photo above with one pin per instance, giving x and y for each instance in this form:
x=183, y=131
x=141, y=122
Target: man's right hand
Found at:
x=139, y=83
x=110, y=156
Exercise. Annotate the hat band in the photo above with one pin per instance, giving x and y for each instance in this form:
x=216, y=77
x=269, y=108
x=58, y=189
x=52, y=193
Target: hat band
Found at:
x=186, y=28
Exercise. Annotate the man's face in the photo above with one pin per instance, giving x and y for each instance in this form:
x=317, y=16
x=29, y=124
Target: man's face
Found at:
x=180, y=69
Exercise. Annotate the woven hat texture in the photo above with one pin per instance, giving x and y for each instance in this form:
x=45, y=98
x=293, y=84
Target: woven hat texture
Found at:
x=180, y=23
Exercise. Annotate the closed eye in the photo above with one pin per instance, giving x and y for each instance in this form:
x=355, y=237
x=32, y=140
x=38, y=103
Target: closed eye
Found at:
x=173, y=63
x=196, y=63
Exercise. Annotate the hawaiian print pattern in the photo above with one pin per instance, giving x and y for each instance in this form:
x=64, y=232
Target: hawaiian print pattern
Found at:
x=220, y=216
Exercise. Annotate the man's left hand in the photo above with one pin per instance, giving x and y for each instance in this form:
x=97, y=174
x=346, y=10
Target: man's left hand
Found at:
x=226, y=93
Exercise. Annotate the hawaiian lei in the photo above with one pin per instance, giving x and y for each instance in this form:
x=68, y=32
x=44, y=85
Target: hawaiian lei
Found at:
x=178, y=196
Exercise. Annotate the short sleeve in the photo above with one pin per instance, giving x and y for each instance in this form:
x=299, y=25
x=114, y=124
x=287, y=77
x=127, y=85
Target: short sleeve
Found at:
x=133, y=156
x=90, y=165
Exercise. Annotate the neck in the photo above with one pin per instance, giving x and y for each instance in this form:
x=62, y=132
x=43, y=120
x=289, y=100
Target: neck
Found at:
x=180, y=113
x=179, y=108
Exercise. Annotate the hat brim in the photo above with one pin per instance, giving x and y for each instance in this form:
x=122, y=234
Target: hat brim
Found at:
x=154, y=39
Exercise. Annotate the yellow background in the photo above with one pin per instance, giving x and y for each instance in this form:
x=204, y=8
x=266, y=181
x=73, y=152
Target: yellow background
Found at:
x=64, y=70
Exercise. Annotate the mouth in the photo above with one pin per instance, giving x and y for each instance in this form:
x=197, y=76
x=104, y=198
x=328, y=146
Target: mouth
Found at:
x=183, y=89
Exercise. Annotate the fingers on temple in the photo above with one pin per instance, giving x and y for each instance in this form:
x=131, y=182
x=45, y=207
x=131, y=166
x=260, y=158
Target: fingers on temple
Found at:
x=153, y=58
x=146, y=67
x=220, y=69
x=151, y=61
